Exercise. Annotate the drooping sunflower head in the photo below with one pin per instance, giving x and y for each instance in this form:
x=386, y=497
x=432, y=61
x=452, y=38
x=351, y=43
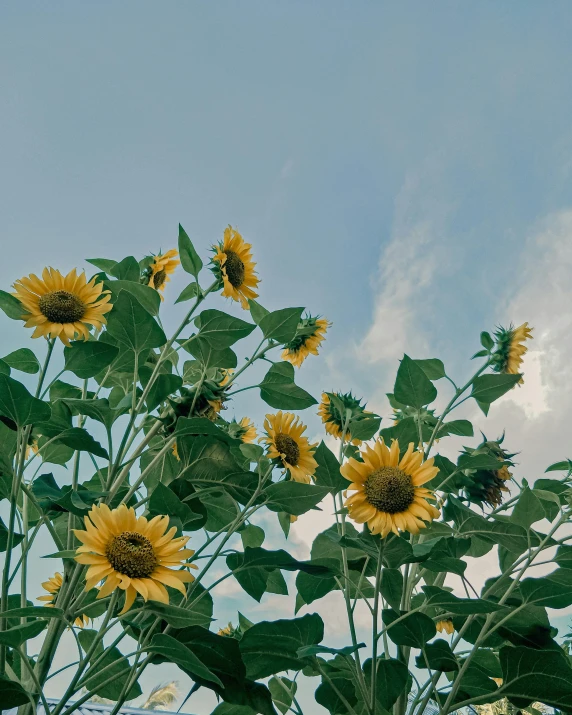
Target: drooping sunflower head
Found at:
x=232, y=264
x=228, y=631
x=486, y=486
x=62, y=306
x=160, y=268
x=510, y=349
x=445, y=626
x=133, y=554
x=389, y=493
x=309, y=336
x=337, y=410
x=52, y=586
x=288, y=447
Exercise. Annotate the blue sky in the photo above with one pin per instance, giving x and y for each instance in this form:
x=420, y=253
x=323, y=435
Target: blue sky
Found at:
x=403, y=168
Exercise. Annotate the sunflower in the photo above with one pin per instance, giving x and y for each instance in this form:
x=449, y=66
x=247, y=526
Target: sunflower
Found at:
x=330, y=412
x=309, y=336
x=288, y=447
x=233, y=264
x=508, y=356
x=226, y=631
x=161, y=268
x=62, y=306
x=445, y=626
x=133, y=554
x=52, y=586
x=486, y=486
x=389, y=493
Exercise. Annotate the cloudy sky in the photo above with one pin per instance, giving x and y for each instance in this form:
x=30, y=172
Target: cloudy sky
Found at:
x=402, y=168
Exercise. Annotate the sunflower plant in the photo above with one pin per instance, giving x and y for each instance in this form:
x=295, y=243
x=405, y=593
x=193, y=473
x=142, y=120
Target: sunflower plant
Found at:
x=126, y=461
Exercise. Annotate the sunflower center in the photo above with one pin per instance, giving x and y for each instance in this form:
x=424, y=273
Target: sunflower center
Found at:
x=234, y=269
x=389, y=489
x=61, y=307
x=159, y=278
x=288, y=447
x=132, y=554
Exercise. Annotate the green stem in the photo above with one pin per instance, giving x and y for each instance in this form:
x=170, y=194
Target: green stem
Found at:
x=375, y=619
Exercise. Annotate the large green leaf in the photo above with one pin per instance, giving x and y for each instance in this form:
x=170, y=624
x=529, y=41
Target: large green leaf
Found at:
x=283, y=691
x=11, y=305
x=391, y=680
x=461, y=428
x=204, y=352
x=391, y=586
x=79, y=439
x=257, y=311
x=180, y=617
x=552, y=591
x=110, y=683
x=328, y=473
x=104, y=264
x=278, y=389
x=23, y=360
x=18, y=405
x=127, y=270
x=132, y=326
x=270, y=647
x=281, y=325
x=432, y=367
x=488, y=388
x=14, y=637
x=190, y=259
x=12, y=694
x=147, y=297
x=530, y=675
x=165, y=501
x=294, y=497
x=86, y=358
x=222, y=330
x=181, y=655
x=412, y=386
x=437, y=656
x=458, y=606
x=414, y=630
x=98, y=409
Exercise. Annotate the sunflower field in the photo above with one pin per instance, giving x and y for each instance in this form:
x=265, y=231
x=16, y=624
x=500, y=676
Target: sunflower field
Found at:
x=119, y=463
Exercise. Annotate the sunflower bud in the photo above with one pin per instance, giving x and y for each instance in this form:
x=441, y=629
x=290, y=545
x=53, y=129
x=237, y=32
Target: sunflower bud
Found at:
x=510, y=349
x=486, y=486
x=339, y=411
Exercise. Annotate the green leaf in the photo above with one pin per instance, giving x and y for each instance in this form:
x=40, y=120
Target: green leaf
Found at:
x=488, y=388
x=565, y=466
x=4, y=368
x=131, y=325
x=257, y=311
x=439, y=657
x=163, y=386
x=294, y=497
x=147, y=297
x=208, y=356
x=165, y=501
x=530, y=675
x=33, y=612
x=14, y=637
x=552, y=591
x=414, y=630
x=327, y=473
x=270, y=647
x=278, y=389
x=86, y=358
x=391, y=680
x=126, y=270
x=23, y=360
x=17, y=403
x=281, y=325
x=283, y=691
x=479, y=461
x=231, y=709
x=222, y=330
x=189, y=292
x=193, y=426
x=311, y=588
x=12, y=694
x=110, y=682
x=487, y=341
x=97, y=409
x=391, y=587
x=190, y=259
x=65, y=554
x=433, y=368
x=412, y=386
x=178, y=653
x=104, y=264
x=528, y=509
x=79, y=439
x=462, y=428
x=252, y=536
x=11, y=306
x=364, y=429
x=458, y=606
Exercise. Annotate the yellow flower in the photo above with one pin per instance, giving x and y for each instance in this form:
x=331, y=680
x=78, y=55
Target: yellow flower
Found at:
x=235, y=267
x=293, y=518
x=249, y=434
x=445, y=626
x=287, y=445
x=334, y=421
x=62, y=306
x=311, y=333
x=389, y=493
x=175, y=451
x=162, y=267
x=510, y=350
x=52, y=586
x=227, y=631
x=133, y=554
